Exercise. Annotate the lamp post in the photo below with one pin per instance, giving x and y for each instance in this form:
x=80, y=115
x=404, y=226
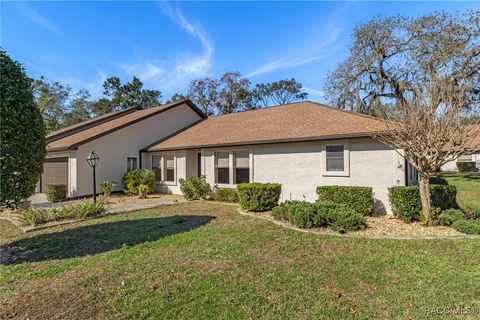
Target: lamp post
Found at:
x=92, y=160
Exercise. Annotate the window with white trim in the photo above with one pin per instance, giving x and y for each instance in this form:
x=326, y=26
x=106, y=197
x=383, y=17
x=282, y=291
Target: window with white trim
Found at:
x=242, y=167
x=132, y=163
x=169, y=168
x=157, y=167
x=335, y=158
x=222, y=167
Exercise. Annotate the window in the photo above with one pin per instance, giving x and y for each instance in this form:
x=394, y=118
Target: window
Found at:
x=131, y=163
x=169, y=168
x=157, y=167
x=222, y=168
x=242, y=164
x=335, y=158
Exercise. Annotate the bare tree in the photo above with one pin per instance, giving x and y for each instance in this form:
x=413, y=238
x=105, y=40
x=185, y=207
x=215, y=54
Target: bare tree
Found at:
x=204, y=93
x=430, y=128
x=234, y=94
x=422, y=77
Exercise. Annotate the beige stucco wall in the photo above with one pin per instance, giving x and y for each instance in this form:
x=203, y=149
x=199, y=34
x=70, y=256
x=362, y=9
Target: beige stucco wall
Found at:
x=451, y=166
x=115, y=147
x=299, y=167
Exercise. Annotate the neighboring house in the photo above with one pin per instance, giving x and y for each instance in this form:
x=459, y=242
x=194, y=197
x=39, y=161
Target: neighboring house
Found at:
x=451, y=166
x=300, y=145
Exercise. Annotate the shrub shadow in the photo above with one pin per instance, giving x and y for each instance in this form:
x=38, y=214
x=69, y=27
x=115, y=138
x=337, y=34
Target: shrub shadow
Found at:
x=97, y=238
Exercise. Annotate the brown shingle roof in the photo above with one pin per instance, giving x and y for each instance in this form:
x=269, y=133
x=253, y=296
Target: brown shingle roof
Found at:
x=301, y=121
x=72, y=141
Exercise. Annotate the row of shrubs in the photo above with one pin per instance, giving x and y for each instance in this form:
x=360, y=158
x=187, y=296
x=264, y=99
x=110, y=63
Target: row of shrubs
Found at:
x=82, y=210
x=321, y=214
x=457, y=220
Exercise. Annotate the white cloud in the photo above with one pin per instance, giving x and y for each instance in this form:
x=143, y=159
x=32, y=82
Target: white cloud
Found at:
x=301, y=57
x=36, y=17
x=314, y=92
x=145, y=70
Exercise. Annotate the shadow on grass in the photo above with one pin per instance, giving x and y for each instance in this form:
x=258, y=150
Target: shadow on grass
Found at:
x=96, y=238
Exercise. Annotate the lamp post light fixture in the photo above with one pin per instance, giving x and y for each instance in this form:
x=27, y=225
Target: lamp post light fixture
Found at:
x=92, y=160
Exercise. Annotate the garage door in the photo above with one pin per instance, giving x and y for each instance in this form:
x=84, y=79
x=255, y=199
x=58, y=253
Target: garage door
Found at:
x=55, y=171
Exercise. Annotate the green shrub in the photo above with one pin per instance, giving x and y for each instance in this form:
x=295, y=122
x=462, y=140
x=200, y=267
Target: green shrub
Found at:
x=195, y=188
x=309, y=215
x=465, y=166
x=467, y=226
x=449, y=216
x=226, y=195
x=438, y=180
x=258, y=197
x=79, y=210
x=133, y=179
x=107, y=187
x=407, y=205
x=56, y=192
x=347, y=220
x=359, y=199
x=33, y=217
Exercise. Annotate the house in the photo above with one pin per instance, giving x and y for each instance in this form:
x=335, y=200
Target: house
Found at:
x=300, y=145
x=451, y=166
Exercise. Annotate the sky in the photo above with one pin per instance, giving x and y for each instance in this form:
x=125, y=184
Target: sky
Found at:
x=169, y=44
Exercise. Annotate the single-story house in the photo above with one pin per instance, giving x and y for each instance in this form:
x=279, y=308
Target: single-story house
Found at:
x=451, y=166
x=300, y=145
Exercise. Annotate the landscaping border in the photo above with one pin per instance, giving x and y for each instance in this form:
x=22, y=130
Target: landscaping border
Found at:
x=349, y=235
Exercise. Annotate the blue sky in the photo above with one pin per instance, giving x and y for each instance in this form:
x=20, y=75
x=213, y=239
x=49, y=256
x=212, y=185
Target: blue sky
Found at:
x=169, y=44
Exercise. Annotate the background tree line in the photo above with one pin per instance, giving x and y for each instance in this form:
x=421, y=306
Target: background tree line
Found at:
x=60, y=106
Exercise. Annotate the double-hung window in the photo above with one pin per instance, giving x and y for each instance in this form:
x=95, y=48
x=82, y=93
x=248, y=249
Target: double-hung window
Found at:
x=242, y=167
x=222, y=167
x=132, y=163
x=335, y=158
x=157, y=167
x=169, y=168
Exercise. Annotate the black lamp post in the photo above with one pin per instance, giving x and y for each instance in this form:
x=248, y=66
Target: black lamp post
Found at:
x=92, y=160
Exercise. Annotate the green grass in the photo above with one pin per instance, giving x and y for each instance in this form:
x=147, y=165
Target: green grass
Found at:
x=205, y=261
x=468, y=189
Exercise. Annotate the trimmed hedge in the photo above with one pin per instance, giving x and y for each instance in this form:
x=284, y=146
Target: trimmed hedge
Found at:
x=466, y=166
x=467, y=226
x=449, y=216
x=56, y=192
x=359, y=199
x=259, y=197
x=310, y=215
x=407, y=205
x=226, y=195
x=438, y=180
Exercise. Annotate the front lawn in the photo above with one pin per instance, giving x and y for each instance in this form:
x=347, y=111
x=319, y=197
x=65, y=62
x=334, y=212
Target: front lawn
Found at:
x=468, y=189
x=205, y=261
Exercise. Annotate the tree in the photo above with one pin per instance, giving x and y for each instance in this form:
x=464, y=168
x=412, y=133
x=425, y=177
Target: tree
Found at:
x=22, y=134
x=122, y=96
x=51, y=98
x=80, y=108
x=278, y=92
x=177, y=97
x=204, y=93
x=391, y=56
x=421, y=77
x=234, y=93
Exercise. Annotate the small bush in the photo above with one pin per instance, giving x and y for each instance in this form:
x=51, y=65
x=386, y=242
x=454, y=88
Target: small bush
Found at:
x=309, y=215
x=33, y=217
x=449, y=216
x=195, y=188
x=56, y=192
x=438, y=180
x=347, y=220
x=258, y=197
x=359, y=199
x=107, y=187
x=467, y=226
x=133, y=179
x=465, y=166
x=407, y=205
x=226, y=195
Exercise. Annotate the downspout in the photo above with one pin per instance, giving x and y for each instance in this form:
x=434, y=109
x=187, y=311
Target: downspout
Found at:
x=140, y=159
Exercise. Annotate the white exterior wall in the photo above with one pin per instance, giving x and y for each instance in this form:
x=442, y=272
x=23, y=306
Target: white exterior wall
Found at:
x=451, y=166
x=114, y=148
x=300, y=168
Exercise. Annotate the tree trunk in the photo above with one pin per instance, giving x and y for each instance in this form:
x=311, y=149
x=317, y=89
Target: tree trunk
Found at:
x=425, y=197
